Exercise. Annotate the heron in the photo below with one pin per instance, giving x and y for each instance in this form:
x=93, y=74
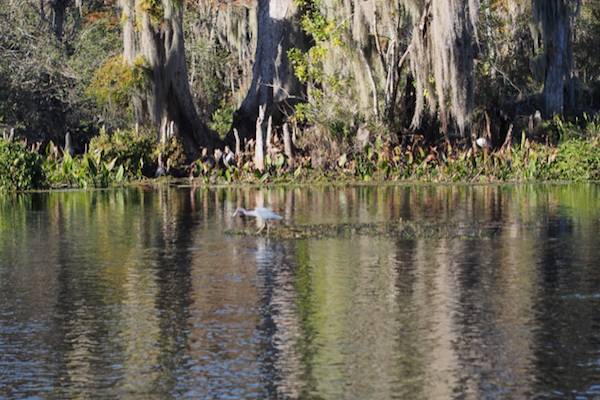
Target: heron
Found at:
x=160, y=171
x=262, y=213
x=228, y=157
x=69, y=144
x=208, y=162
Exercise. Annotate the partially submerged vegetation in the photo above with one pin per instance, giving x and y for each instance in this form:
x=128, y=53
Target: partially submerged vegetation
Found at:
x=397, y=229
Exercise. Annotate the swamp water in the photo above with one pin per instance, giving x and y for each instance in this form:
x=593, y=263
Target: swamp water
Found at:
x=154, y=294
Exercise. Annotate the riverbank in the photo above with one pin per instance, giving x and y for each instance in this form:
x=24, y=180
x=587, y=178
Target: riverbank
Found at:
x=126, y=158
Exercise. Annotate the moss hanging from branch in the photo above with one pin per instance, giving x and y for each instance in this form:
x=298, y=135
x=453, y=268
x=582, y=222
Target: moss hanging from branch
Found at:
x=154, y=29
x=353, y=61
x=442, y=59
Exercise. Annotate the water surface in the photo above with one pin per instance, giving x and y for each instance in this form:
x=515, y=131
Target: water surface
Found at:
x=142, y=294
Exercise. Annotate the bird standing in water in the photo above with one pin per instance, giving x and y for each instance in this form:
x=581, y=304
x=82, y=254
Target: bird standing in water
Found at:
x=262, y=213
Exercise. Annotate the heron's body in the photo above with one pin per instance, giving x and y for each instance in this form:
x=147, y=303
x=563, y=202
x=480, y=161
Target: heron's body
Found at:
x=160, y=171
x=263, y=213
x=208, y=162
x=69, y=144
x=228, y=158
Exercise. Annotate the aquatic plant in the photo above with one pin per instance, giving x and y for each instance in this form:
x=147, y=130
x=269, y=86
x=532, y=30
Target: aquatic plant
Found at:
x=110, y=159
x=20, y=169
x=92, y=170
x=135, y=151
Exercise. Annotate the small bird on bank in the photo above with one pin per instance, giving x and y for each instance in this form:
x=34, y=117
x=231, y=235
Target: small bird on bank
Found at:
x=160, y=171
x=482, y=142
x=262, y=213
x=69, y=144
x=208, y=162
x=228, y=158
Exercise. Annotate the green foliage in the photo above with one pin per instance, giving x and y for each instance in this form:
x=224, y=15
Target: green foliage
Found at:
x=221, y=118
x=98, y=39
x=275, y=165
x=155, y=10
x=211, y=77
x=93, y=170
x=113, y=83
x=559, y=129
x=309, y=66
x=20, y=169
x=339, y=128
x=42, y=77
x=576, y=160
x=215, y=71
x=505, y=32
x=111, y=159
x=135, y=152
x=587, y=36
x=172, y=154
x=31, y=85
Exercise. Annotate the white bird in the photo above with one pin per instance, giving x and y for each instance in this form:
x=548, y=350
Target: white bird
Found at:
x=69, y=144
x=482, y=142
x=160, y=171
x=262, y=213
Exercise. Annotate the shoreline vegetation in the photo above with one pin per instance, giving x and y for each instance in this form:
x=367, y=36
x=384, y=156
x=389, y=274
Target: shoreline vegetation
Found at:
x=127, y=158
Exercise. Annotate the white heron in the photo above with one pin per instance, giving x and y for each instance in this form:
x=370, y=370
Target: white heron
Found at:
x=262, y=213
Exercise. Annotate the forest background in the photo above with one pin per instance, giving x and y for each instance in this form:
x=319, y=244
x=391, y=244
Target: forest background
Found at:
x=94, y=92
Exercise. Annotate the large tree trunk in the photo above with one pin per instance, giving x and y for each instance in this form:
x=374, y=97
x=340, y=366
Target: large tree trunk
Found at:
x=554, y=17
x=553, y=94
x=59, y=12
x=170, y=100
x=130, y=51
x=273, y=78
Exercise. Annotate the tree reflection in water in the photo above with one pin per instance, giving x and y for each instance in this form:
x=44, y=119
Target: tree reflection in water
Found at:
x=138, y=293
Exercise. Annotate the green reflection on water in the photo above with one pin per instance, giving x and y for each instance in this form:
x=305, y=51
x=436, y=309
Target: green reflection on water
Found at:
x=138, y=293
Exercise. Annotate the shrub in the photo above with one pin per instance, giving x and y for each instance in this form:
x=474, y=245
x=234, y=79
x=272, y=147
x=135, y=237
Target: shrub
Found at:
x=172, y=155
x=576, y=160
x=110, y=159
x=20, y=169
x=133, y=151
x=113, y=83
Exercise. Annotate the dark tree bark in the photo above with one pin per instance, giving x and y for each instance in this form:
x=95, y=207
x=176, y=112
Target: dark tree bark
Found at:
x=59, y=11
x=555, y=19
